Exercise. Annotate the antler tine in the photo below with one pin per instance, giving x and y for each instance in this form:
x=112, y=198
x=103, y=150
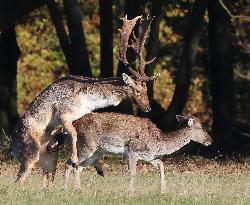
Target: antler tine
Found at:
x=139, y=42
x=151, y=78
x=125, y=33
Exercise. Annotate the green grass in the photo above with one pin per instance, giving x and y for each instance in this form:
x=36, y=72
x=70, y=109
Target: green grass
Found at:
x=188, y=184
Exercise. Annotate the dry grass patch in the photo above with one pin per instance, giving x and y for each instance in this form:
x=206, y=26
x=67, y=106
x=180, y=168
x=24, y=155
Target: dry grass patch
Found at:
x=193, y=181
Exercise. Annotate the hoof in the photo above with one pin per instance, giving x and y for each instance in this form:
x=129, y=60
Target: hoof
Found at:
x=74, y=165
x=101, y=173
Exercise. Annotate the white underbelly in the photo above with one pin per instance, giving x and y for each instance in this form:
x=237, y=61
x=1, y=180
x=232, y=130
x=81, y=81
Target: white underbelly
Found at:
x=109, y=149
x=80, y=113
x=89, y=102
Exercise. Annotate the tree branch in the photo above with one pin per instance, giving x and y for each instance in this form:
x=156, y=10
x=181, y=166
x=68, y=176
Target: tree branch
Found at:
x=234, y=17
x=242, y=75
x=189, y=52
x=79, y=51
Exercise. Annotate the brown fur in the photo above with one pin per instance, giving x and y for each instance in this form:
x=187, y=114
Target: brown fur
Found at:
x=138, y=138
x=63, y=102
x=72, y=97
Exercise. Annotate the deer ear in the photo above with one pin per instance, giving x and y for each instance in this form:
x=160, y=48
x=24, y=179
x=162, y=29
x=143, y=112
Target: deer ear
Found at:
x=190, y=122
x=127, y=79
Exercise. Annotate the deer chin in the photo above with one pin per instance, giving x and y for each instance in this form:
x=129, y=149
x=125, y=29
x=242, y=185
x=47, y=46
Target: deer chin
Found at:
x=144, y=109
x=142, y=106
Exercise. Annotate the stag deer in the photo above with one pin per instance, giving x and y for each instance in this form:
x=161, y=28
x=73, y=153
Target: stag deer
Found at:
x=70, y=98
x=137, y=138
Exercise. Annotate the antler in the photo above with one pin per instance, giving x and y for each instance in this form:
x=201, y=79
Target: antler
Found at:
x=139, y=42
x=125, y=33
x=137, y=45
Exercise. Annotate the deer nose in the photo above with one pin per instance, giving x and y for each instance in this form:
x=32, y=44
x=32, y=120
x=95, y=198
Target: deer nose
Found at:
x=208, y=143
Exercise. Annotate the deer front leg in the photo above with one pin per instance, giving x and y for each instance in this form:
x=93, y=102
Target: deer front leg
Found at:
x=158, y=164
x=69, y=128
x=132, y=161
x=84, y=163
x=24, y=171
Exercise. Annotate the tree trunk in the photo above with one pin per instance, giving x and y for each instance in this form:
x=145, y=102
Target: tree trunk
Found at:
x=153, y=42
x=80, y=58
x=61, y=32
x=9, y=53
x=12, y=10
x=183, y=80
x=222, y=82
x=106, y=32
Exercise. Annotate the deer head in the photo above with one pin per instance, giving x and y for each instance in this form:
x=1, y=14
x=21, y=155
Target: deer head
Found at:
x=198, y=133
x=137, y=80
x=138, y=92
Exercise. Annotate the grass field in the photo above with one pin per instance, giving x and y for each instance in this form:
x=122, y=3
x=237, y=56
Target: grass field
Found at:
x=194, y=181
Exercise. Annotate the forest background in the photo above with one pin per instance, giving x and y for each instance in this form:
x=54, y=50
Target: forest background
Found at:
x=202, y=51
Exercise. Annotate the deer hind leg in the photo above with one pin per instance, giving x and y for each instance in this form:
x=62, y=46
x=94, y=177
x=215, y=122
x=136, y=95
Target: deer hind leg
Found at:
x=48, y=178
x=87, y=152
x=98, y=168
x=69, y=128
x=132, y=161
x=93, y=158
x=53, y=176
x=67, y=171
x=25, y=169
x=158, y=164
x=77, y=171
x=30, y=158
x=45, y=179
x=53, y=173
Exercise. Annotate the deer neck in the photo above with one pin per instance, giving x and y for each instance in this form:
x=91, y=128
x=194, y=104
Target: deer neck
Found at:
x=173, y=141
x=103, y=95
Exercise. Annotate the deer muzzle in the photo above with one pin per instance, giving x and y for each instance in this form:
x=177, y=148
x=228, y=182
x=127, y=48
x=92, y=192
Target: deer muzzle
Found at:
x=147, y=109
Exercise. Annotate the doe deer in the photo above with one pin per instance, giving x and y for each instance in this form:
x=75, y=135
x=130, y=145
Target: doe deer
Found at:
x=70, y=98
x=137, y=138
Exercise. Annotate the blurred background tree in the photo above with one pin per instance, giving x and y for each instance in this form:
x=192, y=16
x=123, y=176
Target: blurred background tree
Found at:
x=202, y=53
